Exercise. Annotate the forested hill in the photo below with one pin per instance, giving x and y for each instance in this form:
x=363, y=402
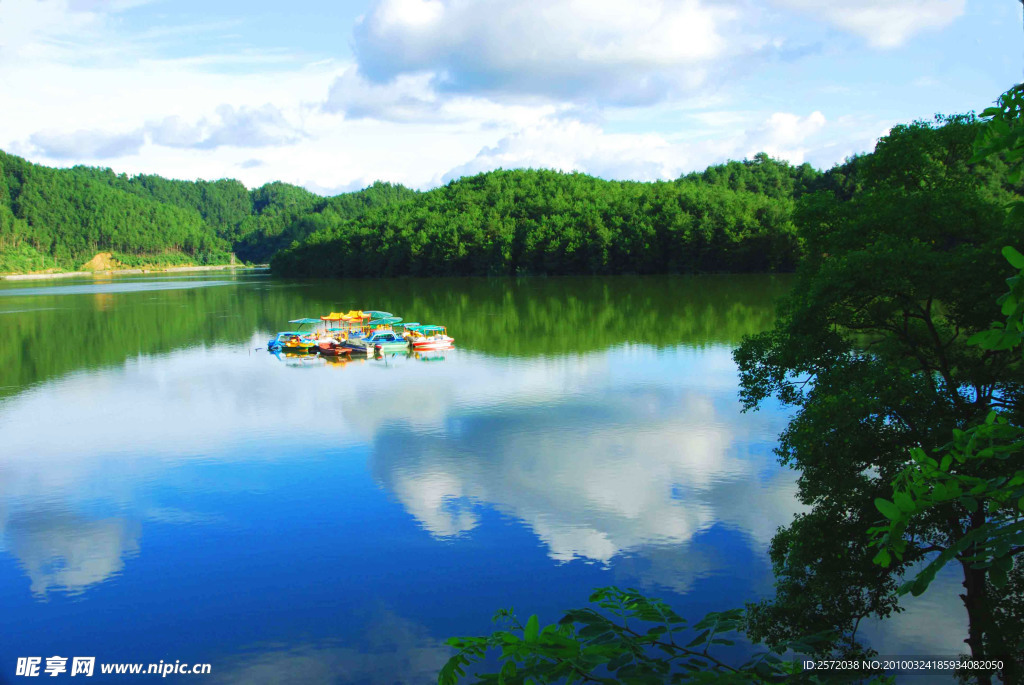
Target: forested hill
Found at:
x=731, y=217
x=61, y=218
x=734, y=217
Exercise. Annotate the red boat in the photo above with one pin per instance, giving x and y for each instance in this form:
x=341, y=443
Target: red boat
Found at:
x=331, y=348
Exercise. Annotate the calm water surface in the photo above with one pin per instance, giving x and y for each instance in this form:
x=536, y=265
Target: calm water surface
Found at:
x=169, y=490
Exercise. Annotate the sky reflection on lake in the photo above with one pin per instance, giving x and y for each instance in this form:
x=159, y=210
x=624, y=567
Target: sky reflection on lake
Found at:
x=303, y=521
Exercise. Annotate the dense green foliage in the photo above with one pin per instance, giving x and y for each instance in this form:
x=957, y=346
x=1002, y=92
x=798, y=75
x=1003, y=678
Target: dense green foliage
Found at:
x=283, y=216
x=979, y=474
x=631, y=639
x=872, y=350
x=60, y=218
x=732, y=218
x=70, y=215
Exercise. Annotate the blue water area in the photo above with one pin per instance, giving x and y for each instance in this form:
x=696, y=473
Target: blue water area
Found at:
x=174, y=492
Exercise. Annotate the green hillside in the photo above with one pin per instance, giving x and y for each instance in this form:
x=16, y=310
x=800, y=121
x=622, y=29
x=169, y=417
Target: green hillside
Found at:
x=536, y=221
x=61, y=218
x=734, y=217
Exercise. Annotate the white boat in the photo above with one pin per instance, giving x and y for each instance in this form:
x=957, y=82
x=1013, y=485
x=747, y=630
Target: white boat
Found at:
x=431, y=338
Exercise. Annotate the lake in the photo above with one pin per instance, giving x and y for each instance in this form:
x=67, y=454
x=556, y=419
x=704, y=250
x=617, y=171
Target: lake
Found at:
x=169, y=490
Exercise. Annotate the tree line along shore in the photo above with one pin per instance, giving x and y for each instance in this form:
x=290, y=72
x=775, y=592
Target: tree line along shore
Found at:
x=741, y=216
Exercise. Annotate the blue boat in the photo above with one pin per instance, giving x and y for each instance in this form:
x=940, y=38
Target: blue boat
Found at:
x=379, y=341
x=291, y=341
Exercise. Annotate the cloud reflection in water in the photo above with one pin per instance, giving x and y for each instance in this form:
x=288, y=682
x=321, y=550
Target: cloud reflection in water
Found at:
x=594, y=476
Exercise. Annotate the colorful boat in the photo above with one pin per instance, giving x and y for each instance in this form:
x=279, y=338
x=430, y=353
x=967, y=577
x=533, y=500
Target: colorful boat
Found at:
x=431, y=338
x=332, y=321
x=386, y=323
x=406, y=330
x=378, y=341
x=329, y=347
x=291, y=341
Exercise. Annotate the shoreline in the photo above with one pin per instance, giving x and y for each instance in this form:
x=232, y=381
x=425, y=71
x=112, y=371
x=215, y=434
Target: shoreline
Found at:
x=121, y=272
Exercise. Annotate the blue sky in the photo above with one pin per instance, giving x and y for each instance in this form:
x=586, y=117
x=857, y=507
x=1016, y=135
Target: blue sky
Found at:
x=335, y=95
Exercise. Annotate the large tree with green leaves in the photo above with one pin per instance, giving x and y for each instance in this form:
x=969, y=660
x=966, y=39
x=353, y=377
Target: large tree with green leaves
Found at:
x=871, y=349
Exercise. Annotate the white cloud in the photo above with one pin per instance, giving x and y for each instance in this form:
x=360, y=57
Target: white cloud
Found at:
x=242, y=127
x=883, y=23
x=409, y=97
x=567, y=49
x=236, y=127
x=571, y=145
x=437, y=88
x=40, y=29
x=785, y=136
x=85, y=144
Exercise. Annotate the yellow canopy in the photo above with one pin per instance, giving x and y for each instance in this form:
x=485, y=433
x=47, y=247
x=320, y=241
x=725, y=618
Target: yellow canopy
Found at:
x=355, y=314
x=333, y=316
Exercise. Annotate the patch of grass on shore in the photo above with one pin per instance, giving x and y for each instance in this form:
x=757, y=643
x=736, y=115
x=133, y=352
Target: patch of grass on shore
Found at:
x=25, y=259
x=142, y=261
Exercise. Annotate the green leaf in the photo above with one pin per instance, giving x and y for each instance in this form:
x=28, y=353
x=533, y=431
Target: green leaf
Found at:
x=888, y=509
x=998, y=576
x=1009, y=304
x=904, y=502
x=1015, y=258
x=508, y=670
x=620, y=661
x=593, y=630
x=700, y=639
x=985, y=338
x=883, y=558
x=532, y=629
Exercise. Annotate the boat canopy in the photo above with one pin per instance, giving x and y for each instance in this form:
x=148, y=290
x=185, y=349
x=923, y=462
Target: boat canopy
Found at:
x=373, y=314
x=410, y=326
x=333, y=316
x=304, y=321
x=386, y=321
x=354, y=314
x=425, y=329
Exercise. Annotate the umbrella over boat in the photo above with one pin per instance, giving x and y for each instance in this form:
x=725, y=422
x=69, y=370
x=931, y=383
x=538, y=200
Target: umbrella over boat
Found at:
x=304, y=322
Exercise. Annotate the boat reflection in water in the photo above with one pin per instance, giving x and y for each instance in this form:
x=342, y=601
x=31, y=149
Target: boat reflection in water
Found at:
x=429, y=356
x=297, y=358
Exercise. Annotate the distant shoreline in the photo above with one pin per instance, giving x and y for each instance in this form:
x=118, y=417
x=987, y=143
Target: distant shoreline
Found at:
x=120, y=272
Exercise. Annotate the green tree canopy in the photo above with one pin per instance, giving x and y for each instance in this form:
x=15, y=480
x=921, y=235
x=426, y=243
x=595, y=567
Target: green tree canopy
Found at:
x=871, y=350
